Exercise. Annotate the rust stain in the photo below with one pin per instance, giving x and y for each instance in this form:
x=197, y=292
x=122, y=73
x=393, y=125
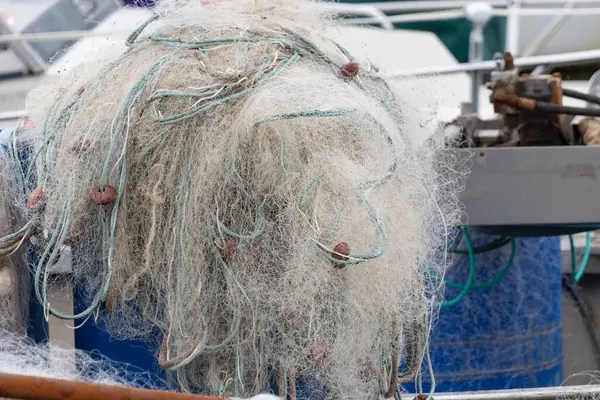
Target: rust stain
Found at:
x=579, y=171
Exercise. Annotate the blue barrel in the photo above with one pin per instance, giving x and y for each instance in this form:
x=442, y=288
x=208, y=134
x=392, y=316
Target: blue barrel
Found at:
x=507, y=336
x=140, y=3
x=135, y=360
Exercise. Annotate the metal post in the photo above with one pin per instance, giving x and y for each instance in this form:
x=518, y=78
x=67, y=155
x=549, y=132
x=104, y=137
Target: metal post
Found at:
x=479, y=14
x=513, y=27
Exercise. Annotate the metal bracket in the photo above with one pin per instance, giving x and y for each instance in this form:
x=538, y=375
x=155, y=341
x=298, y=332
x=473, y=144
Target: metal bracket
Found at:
x=34, y=63
x=522, y=188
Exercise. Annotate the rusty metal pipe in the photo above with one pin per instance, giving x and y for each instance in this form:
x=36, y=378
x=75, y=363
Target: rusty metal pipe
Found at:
x=501, y=96
x=38, y=388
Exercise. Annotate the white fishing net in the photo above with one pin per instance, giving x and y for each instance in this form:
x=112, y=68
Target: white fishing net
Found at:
x=20, y=356
x=240, y=181
x=14, y=276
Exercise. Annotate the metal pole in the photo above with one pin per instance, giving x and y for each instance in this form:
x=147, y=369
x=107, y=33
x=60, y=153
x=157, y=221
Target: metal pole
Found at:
x=426, y=5
x=377, y=15
x=513, y=27
x=542, y=69
x=431, y=5
x=523, y=62
x=38, y=388
x=8, y=115
x=479, y=14
x=413, y=17
x=552, y=393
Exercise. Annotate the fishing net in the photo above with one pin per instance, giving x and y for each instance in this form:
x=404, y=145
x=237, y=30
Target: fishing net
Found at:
x=14, y=276
x=20, y=356
x=244, y=184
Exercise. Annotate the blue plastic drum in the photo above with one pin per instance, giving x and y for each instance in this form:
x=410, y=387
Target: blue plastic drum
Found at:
x=136, y=360
x=140, y=3
x=507, y=336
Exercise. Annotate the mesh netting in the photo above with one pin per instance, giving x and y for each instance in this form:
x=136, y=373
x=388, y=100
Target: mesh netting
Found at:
x=241, y=182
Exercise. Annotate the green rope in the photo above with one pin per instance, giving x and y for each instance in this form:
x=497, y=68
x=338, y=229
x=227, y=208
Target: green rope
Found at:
x=306, y=192
x=212, y=104
x=134, y=92
x=160, y=94
x=61, y=230
x=203, y=45
x=353, y=259
x=258, y=230
x=202, y=346
x=49, y=256
x=135, y=34
x=343, y=50
x=49, y=134
x=18, y=234
x=15, y=163
x=497, y=278
x=495, y=244
x=467, y=287
x=309, y=113
x=471, y=251
x=577, y=272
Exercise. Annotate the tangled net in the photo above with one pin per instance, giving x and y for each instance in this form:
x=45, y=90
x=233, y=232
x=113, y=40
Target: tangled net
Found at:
x=241, y=182
x=13, y=275
x=21, y=356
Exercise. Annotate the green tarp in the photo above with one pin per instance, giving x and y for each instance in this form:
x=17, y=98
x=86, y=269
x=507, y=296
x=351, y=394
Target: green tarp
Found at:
x=455, y=34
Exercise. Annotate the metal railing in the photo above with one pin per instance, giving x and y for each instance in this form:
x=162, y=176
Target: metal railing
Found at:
x=458, y=13
x=377, y=16
x=432, y=5
x=551, y=393
x=563, y=59
x=479, y=13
